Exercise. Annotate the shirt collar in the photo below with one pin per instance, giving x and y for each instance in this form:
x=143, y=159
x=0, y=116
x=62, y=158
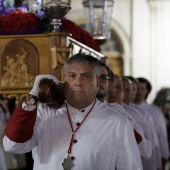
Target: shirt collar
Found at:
x=75, y=111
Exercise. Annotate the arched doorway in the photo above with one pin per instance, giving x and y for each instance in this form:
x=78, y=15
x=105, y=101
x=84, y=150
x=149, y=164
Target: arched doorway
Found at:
x=113, y=50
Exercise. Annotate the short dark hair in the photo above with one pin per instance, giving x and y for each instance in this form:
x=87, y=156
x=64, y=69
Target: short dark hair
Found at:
x=109, y=71
x=148, y=85
x=133, y=79
x=111, y=75
x=124, y=78
x=84, y=58
x=162, y=97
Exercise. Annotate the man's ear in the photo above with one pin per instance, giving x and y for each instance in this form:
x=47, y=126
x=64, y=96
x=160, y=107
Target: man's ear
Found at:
x=98, y=84
x=64, y=78
x=110, y=85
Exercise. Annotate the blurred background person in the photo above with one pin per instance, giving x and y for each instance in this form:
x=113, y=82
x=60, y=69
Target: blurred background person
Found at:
x=115, y=101
x=162, y=100
x=144, y=89
x=8, y=161
x=3, y=120
x=150, y=123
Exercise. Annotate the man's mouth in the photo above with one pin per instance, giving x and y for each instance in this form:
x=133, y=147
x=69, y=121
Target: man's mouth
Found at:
x=78, y=92
x=113, y=97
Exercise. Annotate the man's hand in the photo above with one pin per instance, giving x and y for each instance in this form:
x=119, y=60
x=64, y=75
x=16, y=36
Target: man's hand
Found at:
x=38, y=78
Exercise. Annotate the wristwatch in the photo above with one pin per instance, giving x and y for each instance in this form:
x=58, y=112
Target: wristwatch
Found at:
x=33, y=100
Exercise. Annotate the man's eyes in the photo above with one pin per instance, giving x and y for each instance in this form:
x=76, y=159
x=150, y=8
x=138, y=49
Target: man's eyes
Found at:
x=87, y=76
x=104, y=78
x=84, y=76
x=119, y=88
x=71, y=75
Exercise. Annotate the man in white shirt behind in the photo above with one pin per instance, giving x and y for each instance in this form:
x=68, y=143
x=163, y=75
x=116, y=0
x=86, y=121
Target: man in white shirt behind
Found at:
x=116, y=95
x=107, y=82
x=144, y=88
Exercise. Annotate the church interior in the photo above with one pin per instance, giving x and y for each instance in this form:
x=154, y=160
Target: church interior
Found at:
x=131, y=36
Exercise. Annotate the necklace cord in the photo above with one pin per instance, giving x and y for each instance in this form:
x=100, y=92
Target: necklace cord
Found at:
x=71, y=144
x=71, y=125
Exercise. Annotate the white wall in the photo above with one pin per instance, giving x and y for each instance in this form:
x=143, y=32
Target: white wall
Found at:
x=122, y=15
x=151, y=39
x=141, y=41
x=76, y=13
x=141, y=38
x=161, y=44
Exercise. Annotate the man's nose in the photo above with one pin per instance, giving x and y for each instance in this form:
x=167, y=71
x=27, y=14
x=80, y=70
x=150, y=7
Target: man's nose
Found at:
x=115, y=89
x=79, y=80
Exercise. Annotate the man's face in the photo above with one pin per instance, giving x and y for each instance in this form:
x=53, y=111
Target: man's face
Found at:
x=116, y=95
x=104, y=84
x=127, y=91
x=166, y=110
x=81, y=84
x=134, y=91
x=142, y=91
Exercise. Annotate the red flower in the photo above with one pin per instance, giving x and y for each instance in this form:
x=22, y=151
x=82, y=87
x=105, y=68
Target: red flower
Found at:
x=18, y=22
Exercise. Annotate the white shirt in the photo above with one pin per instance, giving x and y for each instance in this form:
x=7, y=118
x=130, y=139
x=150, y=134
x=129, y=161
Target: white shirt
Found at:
x=145, y=146
x=105, y=140
x=2, y=160
x=155, y=140
x=141, y=126
x=160, y=126
x=3, y=120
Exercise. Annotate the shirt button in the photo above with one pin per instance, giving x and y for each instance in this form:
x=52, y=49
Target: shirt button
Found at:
x=72, y=157
x=78, y=124
x=75, y=140
x=83, y=110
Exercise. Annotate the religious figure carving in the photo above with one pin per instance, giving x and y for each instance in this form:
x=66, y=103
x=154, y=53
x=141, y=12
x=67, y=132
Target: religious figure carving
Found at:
x=59, y=52
x=16, y=72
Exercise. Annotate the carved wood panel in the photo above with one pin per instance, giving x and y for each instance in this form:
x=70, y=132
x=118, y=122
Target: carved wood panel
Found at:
x=19, y=65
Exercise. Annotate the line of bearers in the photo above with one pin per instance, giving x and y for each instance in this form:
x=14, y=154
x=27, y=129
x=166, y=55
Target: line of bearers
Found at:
x=104, y=123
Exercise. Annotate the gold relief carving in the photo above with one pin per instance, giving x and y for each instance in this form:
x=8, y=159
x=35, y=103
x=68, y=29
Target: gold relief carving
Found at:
x=53, y=55
x=18, y=61
x=59, y=52
x=16, y=75
x=18, y=97
x=63, y=56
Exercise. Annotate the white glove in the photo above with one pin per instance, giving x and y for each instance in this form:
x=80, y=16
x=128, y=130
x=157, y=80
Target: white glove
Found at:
x=38, y=78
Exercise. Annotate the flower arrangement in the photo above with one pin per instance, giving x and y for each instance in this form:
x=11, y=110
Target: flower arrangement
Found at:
x=7, y=6
x=19, y=22
x=24, y=18
x=20, y=17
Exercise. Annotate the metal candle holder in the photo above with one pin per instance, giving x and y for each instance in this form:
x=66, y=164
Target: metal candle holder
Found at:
x=55, y=10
